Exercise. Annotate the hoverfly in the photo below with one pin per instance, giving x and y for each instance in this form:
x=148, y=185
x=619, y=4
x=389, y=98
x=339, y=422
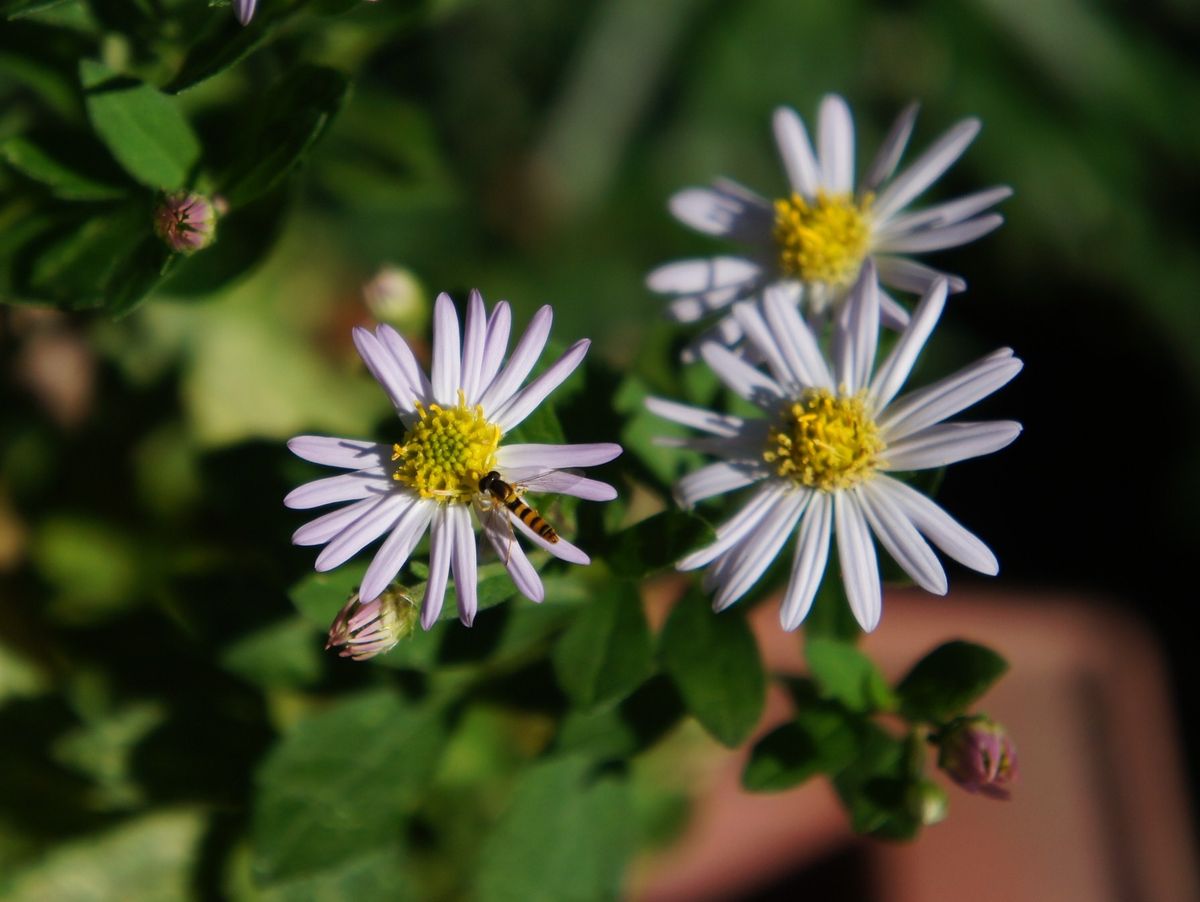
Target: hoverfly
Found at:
x=500, y=492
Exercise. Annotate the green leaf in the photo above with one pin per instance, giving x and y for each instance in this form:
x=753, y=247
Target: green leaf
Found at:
x=295, y=115
x=282, y=654
x=622, y=730
x=540, y=427
x=846, y=674
x=714, y=660
x=606, y=653
x=224, y=43
x=17, y=9
x=341, y=783
x=565, y=835
x=831, y=616
x=946, y=681
x=876, y=786
x=822, y=739
x=143, y=128
x=378, y=876
x=63, y=179
x=655, y=543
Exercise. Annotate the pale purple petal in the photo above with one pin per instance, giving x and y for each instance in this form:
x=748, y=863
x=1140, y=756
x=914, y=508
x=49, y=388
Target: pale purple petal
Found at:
x=561, y=549
x=752, y=558
x=447, y=351
x=383, y=367
x=706, y=420
x=244, y=10
x=524, y=402
x=949, y=443
x=796, y=342
x=758, y=333
x=938, y=239
x=396, y=548
x=363, y=531
x=857, y=333
x=462, y=561
x=702, y=275
x=808, y=565
x=524, y=576
x=472, y=351
x=340, y=452
x=741, y=377
x=939, y=527
x=900, y=537
x=715, y=479
x=943, y=214
x=334, y=489
x=441, y=548
x=835, y=135
x=724, y=213
x=555, y=457
x=899, y=362
x=796, y=152
x=494, y=347
x=891, y=314
x=926, y=169
x=909, y=275
x=856, y=554
x=891, y=150
x=941, y=400
x=402, y=354
x=733, y=530
x=523, y=358
x=326, y=526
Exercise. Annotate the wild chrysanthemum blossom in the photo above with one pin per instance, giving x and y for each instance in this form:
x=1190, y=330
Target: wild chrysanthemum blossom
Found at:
x=825, y=450
x=451, y=459
x=812, y=243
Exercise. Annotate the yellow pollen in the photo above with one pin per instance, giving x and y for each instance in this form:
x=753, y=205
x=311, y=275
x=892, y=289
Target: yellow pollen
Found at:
x=825, y=240
x=447, y=451
x=824, y=441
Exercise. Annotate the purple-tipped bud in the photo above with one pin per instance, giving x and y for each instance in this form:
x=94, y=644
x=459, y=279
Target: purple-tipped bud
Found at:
x=244, y=10
x=978, y=755
x=186, y=222
x=362, y=631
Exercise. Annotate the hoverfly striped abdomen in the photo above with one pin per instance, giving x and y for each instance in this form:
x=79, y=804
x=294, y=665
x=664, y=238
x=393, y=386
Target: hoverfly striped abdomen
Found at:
x=503, y=493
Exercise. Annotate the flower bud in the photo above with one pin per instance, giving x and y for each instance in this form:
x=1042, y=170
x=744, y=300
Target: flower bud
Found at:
x=361, y=631
x=396, y=297
x=928, y=802
x=186, y=222
x=978, y=755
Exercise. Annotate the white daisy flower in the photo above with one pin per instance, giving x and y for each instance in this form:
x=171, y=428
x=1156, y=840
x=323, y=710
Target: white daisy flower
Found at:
x=451, y=461
x=823, y=455
x=812, y=244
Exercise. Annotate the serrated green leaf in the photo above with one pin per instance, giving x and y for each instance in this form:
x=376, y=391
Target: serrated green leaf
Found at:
x=945, y=682
x=606, y=652
x=714, y=661
x=143, y=129
x=341, y=783
x=655, y=543
x=822, y=739
x=63, y=180
x=564, y=835
x=844, y=673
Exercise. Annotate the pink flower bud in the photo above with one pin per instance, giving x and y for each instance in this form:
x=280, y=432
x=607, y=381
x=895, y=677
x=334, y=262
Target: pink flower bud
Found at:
x=978, y=755
x=185, y=222
x=362, y=631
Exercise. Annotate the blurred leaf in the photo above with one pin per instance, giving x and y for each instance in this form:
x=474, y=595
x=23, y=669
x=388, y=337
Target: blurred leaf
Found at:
x=623, y=729
x=91, y=565
x=606, y=652
x=295, y=116
x=641, y=429
x=63, y=180
x=821, y=739
x=946, y=681
x=846, y=674
x=656, y=543
x=103, y=750
x=224, y=43
x=875, y=786
x=283, y=654
x=714, y=660
x=831, y=616
x=19, y=676
x=154, y=853
x=144, y=129
x=540, y=427
x=341, y=782
x=379, y=876
x=565, y=835
x=319, y=596
x=16, y=9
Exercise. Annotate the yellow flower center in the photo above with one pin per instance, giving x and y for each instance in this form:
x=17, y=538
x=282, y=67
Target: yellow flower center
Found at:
x=824, y=441
x=825, y=240
x=447, y=451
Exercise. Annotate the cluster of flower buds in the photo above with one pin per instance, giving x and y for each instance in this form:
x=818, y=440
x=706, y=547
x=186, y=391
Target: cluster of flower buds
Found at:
x=361, y=631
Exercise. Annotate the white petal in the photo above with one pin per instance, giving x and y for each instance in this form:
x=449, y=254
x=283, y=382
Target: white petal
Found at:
x=939, y=527
x=441, y=548
x=705, y=420
x=899, y=362
x=718, y=211
x=758, y=333
x=741, y=377
x=340, y=452
x=857, y=333
x=524, y=402
x=382, y=366
x=808, y=565
x=702, y=275
x=509, y=550
x=835, y=134
x=523, y=358
x=562, y=549
x=396, y=548
x=691, y=308
x=326, y=526
x=555, y=457
x=796, y=152
x=943, y=214
x=334, y=489
x=937, y=239
x=901, y=539
x=715, y=479
x=856, y=554
x=891, y=314
x=494, y=347
x=909, y=275
x=943, y=399
x=472, y=351
x=891, y=150
x=447, y=351
x=751, y=559
x=948, y=443
x=462, y=561
x=733, y=530
x=796, y=341
x=363, y=531
x=403, y=356
x=926, y=169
